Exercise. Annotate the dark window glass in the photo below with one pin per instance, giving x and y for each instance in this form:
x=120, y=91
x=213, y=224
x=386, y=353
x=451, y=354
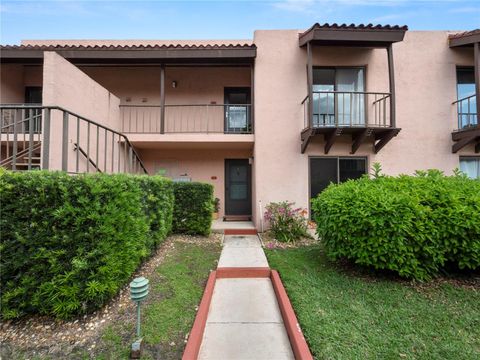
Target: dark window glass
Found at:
x=238, y=98
x=237, y=116
x=323, y=171
x=33, y=95
x=465, y=76
x=465, y=82
x=351, y=169
x=323, y=77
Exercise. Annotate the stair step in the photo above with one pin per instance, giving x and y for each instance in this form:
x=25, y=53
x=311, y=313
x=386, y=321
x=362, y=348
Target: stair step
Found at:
x=26, y=164
x=237, y=218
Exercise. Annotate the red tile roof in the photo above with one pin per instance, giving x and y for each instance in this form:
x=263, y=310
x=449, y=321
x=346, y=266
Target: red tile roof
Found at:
x=126, y=47
x=464, y=34
x=336, y=26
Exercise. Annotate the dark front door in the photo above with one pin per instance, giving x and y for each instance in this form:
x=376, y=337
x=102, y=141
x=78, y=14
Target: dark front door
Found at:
x=237, y=110
x=238, y=187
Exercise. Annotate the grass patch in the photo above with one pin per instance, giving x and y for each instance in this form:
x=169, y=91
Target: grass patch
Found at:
x=353, y=316
x=168, y=315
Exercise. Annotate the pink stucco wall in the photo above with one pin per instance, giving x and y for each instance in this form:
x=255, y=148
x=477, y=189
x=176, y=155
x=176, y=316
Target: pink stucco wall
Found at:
x=66, y=86
x=425, y=88
x=14, y=78
x=425, y=76
x=205, y=165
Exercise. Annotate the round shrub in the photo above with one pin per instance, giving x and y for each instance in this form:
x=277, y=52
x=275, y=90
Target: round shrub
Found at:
x=412, y=225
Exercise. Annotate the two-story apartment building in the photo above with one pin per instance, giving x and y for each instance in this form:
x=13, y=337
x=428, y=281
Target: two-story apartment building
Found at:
x=274, y=118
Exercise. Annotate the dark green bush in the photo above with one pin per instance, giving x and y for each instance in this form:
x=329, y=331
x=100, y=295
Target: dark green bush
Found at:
x=68, y=243
x=193, y=208
x=412, y=225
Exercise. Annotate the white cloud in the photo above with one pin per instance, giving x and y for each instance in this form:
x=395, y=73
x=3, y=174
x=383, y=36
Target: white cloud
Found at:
x=295, y=5
x=468, y=10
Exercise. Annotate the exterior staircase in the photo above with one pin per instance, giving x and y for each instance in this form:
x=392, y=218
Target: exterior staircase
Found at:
x=22, y=160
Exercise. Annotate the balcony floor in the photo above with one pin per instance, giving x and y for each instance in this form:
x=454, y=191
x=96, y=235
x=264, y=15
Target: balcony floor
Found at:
x=192, y=141
x=359, y=134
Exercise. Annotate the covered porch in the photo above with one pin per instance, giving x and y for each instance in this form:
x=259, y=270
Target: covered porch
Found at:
x=226, y=166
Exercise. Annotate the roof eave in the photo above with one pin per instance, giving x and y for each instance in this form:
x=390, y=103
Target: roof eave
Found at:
x=351, y=37
x=140, y=55
x=464, y=41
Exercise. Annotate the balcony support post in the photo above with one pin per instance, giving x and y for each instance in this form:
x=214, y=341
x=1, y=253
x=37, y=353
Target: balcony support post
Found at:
x=391, y=81
x=162, y=99
x=476, y=51
x=310, y=84
x=65, y=142
x=46, y=140
x=252, y=99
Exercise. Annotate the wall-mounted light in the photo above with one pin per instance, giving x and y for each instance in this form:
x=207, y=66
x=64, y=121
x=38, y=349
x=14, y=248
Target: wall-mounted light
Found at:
x=174, y=84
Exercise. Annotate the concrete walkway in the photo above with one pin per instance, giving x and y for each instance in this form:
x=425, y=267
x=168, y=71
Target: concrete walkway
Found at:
x=244, y=320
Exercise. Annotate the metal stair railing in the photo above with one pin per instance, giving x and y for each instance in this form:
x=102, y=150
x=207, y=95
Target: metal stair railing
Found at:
x=23, y=127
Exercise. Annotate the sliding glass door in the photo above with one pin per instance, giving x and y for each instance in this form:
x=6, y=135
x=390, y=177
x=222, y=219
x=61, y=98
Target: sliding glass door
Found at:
x=326, y=170
x=470, y=166
x=467, y=101
x=337, y=97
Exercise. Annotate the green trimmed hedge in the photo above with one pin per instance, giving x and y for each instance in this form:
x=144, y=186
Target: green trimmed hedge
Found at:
x=412, y=225
x=68, y=243
x=193, y=209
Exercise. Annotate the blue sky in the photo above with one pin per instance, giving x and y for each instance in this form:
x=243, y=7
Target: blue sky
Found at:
x=63, y=19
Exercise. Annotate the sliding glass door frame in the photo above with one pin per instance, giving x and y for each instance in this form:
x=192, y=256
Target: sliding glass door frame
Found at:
x=338, y=158
x=335, y=88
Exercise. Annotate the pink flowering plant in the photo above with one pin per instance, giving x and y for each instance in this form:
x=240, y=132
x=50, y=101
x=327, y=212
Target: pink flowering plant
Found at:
x=287, y=223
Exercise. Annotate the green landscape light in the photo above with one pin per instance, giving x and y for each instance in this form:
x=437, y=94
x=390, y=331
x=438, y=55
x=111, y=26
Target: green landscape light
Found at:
x=138, y=293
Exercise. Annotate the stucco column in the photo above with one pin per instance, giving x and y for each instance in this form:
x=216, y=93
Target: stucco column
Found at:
x=391, y=81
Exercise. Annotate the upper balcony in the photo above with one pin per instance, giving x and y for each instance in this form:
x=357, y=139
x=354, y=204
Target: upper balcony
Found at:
x=189, y=94
x=338, y=102
x=468, y=90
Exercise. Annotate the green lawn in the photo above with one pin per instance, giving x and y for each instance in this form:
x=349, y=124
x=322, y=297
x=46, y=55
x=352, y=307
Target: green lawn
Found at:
x=347, y=315
x=168, y=316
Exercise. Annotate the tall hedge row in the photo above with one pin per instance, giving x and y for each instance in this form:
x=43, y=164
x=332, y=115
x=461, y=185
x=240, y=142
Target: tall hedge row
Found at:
x=68, y=243
x=412, y=225
x=192, y=213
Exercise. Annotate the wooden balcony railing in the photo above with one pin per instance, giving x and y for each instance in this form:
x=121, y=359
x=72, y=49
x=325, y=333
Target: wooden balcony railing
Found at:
x=358, y=109
x=467, y=116
x=362, y=115
x=192, y=118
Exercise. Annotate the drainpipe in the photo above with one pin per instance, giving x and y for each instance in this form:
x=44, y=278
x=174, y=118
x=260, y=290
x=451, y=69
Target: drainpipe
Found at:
x=261, y=215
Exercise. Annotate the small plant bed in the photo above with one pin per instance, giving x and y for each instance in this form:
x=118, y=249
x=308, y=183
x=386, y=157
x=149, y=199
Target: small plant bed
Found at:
x=350, y=312
x=270, y=242
x=177, y=272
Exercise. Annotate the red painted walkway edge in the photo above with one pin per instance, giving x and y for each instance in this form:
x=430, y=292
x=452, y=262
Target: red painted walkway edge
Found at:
x=196, y=335
x=243, y=272
x=295, y=335
x=240, y=231
x=297, y=340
